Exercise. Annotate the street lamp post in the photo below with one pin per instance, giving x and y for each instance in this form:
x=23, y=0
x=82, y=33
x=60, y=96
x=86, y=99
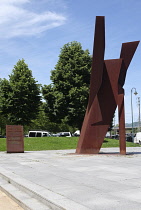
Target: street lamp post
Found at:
x=139, y=113
x=135, y=92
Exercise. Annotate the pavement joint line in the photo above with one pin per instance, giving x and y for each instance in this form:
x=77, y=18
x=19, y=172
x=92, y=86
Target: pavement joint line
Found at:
x=102, y=170
x=17, y=182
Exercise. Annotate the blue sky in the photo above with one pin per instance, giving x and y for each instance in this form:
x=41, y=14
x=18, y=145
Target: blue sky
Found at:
x=36, y=30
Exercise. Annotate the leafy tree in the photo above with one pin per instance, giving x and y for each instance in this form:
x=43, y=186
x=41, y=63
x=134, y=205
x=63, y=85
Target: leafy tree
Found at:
x=4, y=92
x=3, y=122
x=67, y=96
x=20, y=96
x=43, y=123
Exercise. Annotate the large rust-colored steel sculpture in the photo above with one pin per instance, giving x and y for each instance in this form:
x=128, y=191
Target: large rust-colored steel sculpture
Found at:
x=106, y=93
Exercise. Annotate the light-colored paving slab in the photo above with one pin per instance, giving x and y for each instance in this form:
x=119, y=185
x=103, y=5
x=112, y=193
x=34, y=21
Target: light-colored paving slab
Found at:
x=102, y=182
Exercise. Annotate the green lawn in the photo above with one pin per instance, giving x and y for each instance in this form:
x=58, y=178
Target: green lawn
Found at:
x=59, y=143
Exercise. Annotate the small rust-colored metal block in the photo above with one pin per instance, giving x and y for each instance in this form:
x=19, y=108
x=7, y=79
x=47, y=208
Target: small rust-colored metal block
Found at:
x=14, y=139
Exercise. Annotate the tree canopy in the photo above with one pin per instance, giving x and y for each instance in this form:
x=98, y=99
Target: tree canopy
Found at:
x=20, y=95
x=67, y=96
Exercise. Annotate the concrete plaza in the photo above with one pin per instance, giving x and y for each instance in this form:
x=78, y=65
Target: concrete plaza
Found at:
x=61, y=179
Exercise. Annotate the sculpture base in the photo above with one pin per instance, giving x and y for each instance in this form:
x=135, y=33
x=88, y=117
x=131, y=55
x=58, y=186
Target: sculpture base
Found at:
x=97, y=152
x=87, y=151
x=15, y=151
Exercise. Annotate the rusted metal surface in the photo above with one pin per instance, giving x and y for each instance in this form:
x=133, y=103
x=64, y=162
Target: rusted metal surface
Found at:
x=106, y=93
x=121, y=120
x=127, y=52
x=98, y=58
x=14, y=138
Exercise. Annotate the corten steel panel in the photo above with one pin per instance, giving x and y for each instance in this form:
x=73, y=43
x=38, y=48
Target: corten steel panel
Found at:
x=95, y=83
x=127, y=52
x=14, y=138
x=113, y=68
x=106, y=92
x=121, y=120
x=93, y=132
x=98, y=58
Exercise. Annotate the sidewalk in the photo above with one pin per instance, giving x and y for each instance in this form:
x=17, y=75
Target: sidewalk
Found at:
x=61, y=179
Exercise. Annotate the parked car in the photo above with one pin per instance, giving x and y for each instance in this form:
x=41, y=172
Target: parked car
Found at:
x=38, y=134
x=137, y=138
x=56, y=134
x=65, y=134
x=129, y=137
x=108, y=135
x=2, y=136
x=115, y=136
x=76, y=133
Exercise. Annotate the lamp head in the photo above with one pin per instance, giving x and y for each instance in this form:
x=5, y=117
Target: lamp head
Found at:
x=135, y=93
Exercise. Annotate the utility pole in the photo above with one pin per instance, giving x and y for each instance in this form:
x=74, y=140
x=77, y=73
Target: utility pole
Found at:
x=135, y=92
x=139, y=127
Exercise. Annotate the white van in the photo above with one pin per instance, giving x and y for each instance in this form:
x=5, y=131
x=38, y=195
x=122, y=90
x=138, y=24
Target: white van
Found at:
x=137, y=138
x=38, y=134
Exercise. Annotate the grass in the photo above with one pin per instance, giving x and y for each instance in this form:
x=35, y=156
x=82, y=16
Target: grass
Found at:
x=59, y=143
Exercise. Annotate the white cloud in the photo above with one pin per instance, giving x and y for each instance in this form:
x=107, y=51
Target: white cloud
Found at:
x=14, y=1
x=17, y=21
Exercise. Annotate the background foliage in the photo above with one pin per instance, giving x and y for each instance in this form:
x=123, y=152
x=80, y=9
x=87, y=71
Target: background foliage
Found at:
x=66, y=98
x=20, y=95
